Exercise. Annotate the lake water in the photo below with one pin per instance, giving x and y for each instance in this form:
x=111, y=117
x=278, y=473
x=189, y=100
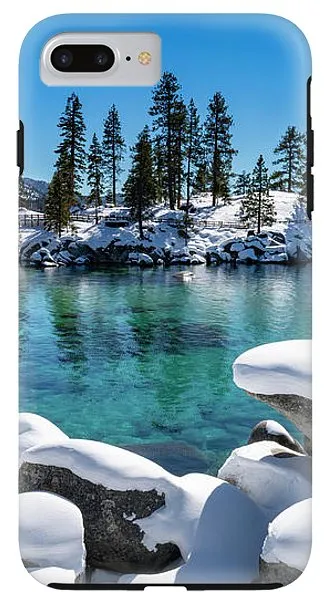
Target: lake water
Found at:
x=137, y=358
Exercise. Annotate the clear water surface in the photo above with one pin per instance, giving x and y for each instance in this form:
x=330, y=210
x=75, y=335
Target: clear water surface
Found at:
x=139, y=359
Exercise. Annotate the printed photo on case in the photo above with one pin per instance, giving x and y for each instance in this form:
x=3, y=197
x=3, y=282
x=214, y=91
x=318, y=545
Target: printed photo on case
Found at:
x=165, y=312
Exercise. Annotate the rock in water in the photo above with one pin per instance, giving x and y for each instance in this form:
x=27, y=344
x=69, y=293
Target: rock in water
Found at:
x=273, y=476
x=279, y=374
x=286, y=549
x=272, y=431
x=112, y=488
x=184, y=275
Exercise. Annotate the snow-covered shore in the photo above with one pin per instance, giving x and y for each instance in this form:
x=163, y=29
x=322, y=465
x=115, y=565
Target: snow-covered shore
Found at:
x=131, y=521
x=212, y=236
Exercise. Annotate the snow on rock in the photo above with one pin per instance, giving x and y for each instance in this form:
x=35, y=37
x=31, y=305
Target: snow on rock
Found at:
x=276, y=368
x=114, y=489
x=270, y=430
x=35, y=430
x=273, y=476
x=247, y=255
x=289, y=537
x=49, y=575
x=227, y=543
x=141, y=259
x=51, y=532
x=39, y=240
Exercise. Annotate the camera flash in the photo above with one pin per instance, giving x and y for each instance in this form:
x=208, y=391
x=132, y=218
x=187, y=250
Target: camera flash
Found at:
x=145, y=58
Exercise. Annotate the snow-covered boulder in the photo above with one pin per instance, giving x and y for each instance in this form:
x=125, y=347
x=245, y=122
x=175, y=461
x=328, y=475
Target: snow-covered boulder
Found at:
x=273, y=476
x=272, y=431
x=226, y=546
x=51, y=535
x=280, y=375
x=247, y=255
x=81, y=260
x=64, y=257
x=140, y=258
x=299, y=235
x=286, y=549
x=237, y=247
x=113, y=488
x=35, y=430
x=44, y=240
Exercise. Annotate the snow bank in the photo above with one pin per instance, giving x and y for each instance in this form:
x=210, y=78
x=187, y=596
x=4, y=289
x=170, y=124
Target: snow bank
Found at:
x=227, y=543
x=51, y=532
x=277, y=368
x=289, y=537
x=273, y=476
x=35, y=430
x=110, y=466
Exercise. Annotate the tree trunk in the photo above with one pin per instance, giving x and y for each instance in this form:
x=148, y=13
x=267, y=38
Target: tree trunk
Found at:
x=215, y=160
x=289, y=187
x=114, y=163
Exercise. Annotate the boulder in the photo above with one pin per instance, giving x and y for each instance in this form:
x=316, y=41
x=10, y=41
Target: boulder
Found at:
x=279, y=374
x=286, y=549
x=140, y=258
x=35, y=430
x=51, y=533
x=248, y=255
x=273, y=476
x=272, y=431
x=113, y=488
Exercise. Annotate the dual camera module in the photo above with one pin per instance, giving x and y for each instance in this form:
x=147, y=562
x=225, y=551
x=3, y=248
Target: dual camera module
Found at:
x=82, y=58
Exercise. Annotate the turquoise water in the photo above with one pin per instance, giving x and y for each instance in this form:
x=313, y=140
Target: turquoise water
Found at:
x=137, y=358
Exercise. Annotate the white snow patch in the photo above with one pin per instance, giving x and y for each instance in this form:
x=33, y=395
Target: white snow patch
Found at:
x=277, y=368
x=35, y=430
x=51, y=532
x=53, y=575
x=273, y=482
x=227, y=543
x=289, y=537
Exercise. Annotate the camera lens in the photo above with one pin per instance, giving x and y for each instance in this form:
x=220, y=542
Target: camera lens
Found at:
x=62, y=58
x=101, y=59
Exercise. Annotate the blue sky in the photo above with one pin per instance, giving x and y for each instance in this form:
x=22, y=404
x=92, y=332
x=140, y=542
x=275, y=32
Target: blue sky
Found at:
x=260, y=64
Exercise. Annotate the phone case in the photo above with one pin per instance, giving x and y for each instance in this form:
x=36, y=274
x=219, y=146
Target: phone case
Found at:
x=165, y=311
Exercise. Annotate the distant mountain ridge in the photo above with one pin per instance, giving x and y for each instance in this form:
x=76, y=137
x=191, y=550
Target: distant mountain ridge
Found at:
x=39, y=185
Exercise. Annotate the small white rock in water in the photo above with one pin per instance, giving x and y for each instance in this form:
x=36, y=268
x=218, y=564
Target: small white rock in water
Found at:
x=51, y=532
x=35, y=430
x=289, y=537
x=184, y=275
x=273, y=476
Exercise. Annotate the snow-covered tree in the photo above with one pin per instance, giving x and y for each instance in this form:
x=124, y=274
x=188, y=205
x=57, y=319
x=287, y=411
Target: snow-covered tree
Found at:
x=140, y=187
x=113, y=147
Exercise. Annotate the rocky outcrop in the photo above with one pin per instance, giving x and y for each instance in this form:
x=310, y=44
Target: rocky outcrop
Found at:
x=264, y=247
x=112, y=538
x=272, y=431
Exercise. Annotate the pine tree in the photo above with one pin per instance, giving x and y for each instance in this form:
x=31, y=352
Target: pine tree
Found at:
x=158, y=157
x=95, y=174
x=139, y=188
x=180, y=123
x=57, y=206
x=166, y=110
x=291, y=151
x=258, y=207
x=242, y=185
x=194, y=151
x=113, y=147
x=218, y=142
x=71, y=149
